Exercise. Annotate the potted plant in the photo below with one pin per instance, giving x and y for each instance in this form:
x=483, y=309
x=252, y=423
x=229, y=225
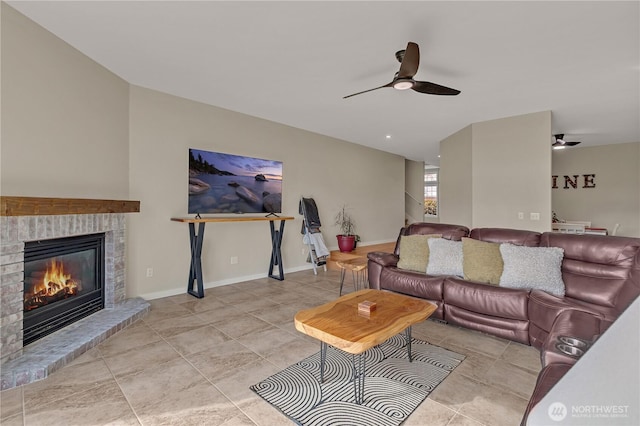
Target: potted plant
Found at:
x=346, y=238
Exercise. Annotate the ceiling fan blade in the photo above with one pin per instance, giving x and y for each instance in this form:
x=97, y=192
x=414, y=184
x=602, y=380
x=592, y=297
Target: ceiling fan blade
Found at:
x=434, y=89
x=561, y=142
x=410, y=61
x=365, y=91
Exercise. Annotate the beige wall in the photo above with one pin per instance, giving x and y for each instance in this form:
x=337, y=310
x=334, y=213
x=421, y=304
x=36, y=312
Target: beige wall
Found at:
x=455, y=179
x=70, y=128
x=491, y=171
x=512, y=172
x=64, y=118
x=333, y=172
x=414, y=191
x=616, y=196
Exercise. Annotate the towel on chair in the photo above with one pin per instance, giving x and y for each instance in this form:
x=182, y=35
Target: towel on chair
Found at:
x=317, y=242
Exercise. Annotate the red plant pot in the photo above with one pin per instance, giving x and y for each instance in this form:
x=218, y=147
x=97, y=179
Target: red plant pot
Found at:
x=346, y=243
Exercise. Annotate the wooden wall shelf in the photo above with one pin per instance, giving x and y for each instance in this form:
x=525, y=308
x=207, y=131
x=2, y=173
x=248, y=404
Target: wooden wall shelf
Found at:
x=39, y=206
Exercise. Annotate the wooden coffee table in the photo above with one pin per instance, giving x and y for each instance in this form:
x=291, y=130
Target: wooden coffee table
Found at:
x=340, y=325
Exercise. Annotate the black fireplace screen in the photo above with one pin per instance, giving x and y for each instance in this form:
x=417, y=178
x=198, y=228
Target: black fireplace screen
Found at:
x=63, y=282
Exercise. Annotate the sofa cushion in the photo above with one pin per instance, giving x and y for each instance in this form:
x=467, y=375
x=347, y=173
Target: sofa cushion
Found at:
x=532, y=268
x=481, y=261
x=414, y=252
x=486, y=299
x=445, y=257
x=414, y=284
x=411, y=283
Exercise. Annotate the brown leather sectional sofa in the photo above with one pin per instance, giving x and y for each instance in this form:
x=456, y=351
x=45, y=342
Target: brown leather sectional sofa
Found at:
x=601, y=276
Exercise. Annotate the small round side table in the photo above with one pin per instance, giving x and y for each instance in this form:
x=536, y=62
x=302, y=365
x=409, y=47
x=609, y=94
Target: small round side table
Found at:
x=358, y=268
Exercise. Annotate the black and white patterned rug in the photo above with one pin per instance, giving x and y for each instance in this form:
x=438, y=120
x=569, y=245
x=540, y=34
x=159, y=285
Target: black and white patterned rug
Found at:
x=393, y=388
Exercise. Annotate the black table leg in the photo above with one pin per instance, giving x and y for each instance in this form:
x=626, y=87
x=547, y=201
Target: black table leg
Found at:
x=195, y=272
x=276, y=254
x=359, y=370
x=407, y=334
x=323, y=359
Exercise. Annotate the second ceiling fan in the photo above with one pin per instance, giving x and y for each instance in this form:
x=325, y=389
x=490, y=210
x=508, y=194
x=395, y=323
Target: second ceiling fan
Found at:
x=561, y=143
x=409, y=60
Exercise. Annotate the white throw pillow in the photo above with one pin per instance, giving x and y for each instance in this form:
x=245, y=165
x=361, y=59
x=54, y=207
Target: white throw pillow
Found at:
x=445, y=257
x=538, y=268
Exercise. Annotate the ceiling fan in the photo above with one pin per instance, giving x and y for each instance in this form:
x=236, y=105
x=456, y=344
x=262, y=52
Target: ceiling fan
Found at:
x=561, y=143
x=409, y=60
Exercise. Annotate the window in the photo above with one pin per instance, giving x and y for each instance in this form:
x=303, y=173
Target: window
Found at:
x=430, y=191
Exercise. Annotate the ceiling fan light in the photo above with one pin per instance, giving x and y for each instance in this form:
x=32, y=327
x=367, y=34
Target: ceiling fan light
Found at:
x=559, y=147
x=403, y=84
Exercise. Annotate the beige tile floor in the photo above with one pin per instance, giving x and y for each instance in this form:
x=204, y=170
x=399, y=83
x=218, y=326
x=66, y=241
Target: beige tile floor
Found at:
x=191, y=361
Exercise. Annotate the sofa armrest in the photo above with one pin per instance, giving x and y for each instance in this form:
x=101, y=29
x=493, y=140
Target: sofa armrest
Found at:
x=548, y=377
x=572, y=323
x=377, y=262
x=383, y=259
x=544, y=309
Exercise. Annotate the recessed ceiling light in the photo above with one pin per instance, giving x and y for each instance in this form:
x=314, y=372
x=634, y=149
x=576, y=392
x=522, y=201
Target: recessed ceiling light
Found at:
x=388, y=136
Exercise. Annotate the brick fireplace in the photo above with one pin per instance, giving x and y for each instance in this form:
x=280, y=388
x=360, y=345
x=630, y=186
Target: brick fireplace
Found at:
x=30, y=219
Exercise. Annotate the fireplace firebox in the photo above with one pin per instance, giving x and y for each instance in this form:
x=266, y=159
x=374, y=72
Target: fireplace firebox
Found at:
x=63, y=283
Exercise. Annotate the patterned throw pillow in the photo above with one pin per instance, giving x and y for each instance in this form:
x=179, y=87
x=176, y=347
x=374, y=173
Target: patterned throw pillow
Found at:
x=445, y=257
x=414, y=252
x=538, y=268
x=482, y=261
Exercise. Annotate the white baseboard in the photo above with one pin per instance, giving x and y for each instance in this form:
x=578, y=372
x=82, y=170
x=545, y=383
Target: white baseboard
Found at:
x=234, y=280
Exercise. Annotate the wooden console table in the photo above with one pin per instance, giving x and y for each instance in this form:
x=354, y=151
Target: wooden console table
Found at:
x=195, y=271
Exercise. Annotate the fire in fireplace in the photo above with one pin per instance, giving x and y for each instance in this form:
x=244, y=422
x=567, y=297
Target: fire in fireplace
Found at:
x=63, y=282
x=55, y=285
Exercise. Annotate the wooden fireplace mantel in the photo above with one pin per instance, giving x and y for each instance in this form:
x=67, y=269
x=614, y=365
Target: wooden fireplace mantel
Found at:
x=39, y=206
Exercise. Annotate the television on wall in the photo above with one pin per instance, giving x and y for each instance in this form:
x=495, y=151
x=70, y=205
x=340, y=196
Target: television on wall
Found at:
x=227, y=183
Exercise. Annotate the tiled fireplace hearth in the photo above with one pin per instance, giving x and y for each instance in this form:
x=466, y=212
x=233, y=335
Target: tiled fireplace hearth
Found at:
x=21, y=365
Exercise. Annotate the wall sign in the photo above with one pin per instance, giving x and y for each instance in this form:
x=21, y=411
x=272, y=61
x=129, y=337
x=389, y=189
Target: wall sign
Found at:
x=572, y=182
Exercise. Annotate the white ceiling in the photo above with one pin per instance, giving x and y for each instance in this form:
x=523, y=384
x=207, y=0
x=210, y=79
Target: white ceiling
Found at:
x=292, y=62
